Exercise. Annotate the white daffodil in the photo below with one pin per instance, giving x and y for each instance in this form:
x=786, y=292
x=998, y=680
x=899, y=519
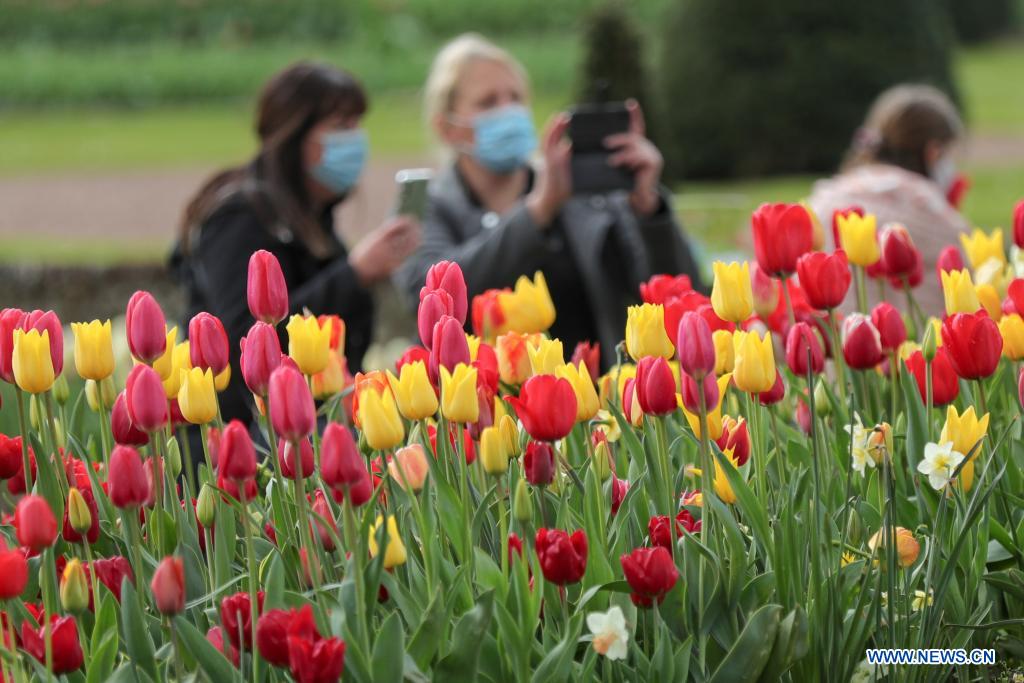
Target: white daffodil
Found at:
x=610, y=634
x=859, y=447
x=939, y=464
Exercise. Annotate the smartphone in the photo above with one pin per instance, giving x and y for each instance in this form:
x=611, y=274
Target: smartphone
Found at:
x=589, y=125
x=412, y=191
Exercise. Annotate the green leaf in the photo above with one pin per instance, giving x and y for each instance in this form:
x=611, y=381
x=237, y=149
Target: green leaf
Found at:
x=137, y=640
x=106, y=621
x=791, y=643
x=431, y=630
x=389, y=651
x=273, y=581
x=209, y=658
x=749, y=655
x=101, y=658
x=557, y=663
x=462, y=661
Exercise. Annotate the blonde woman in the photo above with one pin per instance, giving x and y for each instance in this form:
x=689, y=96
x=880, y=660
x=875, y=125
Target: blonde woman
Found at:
x=499, y=216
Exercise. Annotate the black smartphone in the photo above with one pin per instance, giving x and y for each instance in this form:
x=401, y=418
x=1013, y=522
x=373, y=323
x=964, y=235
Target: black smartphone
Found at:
x=412, y=191
x=589, y=125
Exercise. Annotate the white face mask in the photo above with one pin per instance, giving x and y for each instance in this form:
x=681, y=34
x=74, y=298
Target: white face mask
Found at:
x=943, y=172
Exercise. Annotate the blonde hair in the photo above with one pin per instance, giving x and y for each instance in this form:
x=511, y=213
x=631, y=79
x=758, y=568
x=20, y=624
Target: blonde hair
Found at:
x=901, y=123
x=450, y=66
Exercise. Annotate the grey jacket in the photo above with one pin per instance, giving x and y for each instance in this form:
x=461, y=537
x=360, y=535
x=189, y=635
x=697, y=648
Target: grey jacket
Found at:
x=494, y=251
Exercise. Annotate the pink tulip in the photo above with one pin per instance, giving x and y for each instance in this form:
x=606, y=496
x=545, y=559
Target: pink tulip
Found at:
x=208, y=343
x=146, y=327
x=266, y=289
x=145, y=399
x=695, y=346
x=261, y=355
x=292, y=411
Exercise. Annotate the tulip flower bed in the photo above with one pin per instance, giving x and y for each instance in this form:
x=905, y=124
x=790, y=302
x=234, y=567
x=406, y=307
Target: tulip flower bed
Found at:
x=759, y=489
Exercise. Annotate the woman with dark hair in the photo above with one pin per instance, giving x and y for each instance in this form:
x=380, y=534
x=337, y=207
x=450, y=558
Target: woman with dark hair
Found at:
x=311, y=154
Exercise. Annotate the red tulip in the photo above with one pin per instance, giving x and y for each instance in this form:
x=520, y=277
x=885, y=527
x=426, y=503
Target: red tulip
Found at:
x=659, y=530
x=233, y=488
x=736, y=438
x=897, y=250
x=216, y=637
x=487, y=313
x=272, y=635
x=340, y=462
x=316, y=661
x=914, y=277
x=619, y=489
x=236, y=615
x=695, y=346
x=292, y=411
x=126, y=478
x=146, y=327
x=13, y=572
x=563, y=558
x=448, y=348
x=957, y=189
x=447, y=276
x=237, y=454
x=11, y=461
x=112, y=573
x=824, y=278
x=1015, y=293
x=660, y=288
x=65, y=648
x=486, y=365
x=650, y=573
x=948, y=261
x=10, y=320
x=590, y=354
x=35, y=523
x=974, y=344
x=121, y=425
x=539, y=463
x=286, y=455
x=1018, y=224
x=208, y=343
x=547, y=407
x=266, y=289
x=656, y=386
x=945, y=383
x=433, y=305
x=804, y=351
x=1020, y=387
x=782, y=234
x=168, y=586
x=261, y=355
x=889, y=322
x=775, y=394
x=803, y=414
x=862, y=345
x=145, y=399
x=412, y=355
x=321, y=508
x=691, y=393
x=16, y=484
x=48, y=321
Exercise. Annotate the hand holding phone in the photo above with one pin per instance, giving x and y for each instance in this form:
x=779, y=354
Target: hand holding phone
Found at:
x=412, y=192
x=593, y=166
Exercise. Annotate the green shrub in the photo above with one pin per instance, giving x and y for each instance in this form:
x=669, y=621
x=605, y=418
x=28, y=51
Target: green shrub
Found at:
x=979, y=20
x=753, y=88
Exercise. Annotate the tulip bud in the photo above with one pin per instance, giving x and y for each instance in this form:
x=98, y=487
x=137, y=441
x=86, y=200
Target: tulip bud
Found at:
x=266, y=289
x=929, y=345
x=101, y=394
x=862, y=345
x=261, y=355
x=892, y=331
x=145, y=399
x=731, y=295
x=206, y=506
x=510, y=436
x=655, y=385
x=168, y=586
x=447, y=276
x=854, y=529
x=32, y=361
x=696, y=346
x=35, y=524
x=126, y=478
x=601, y=461
x=173, y=457
x=898, y=251
x=78, y=511
x=145, y=326
x=433, y=305
x=208, y=343
x=539, y=463
x=74, y=587
x=492, y=452
x=34, y=413
x=292, y=410
x=804, y=351
x=61, y=390
x=523, y=506
x=822, y=404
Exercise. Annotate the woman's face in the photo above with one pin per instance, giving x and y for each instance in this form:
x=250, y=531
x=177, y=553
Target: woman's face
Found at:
x=312, y=146
x=485, y=85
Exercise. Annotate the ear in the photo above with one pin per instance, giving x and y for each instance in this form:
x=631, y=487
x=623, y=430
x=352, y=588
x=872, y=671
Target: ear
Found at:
x=442, y=128
x=933, y=150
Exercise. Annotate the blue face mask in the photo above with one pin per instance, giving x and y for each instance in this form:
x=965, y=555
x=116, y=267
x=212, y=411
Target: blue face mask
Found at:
x=342, y=159
x=504, y=138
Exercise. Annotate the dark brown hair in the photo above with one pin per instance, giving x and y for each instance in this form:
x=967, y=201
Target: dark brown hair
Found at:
x=899, y=126
x=292, y=102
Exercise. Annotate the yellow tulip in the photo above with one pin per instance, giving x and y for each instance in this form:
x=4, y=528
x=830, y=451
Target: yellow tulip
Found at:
x=458, y=394
x=817, y=233
x=512, y=350
x=857, y=235
x=545, y=356
x=907, y=349
x=510, y=435
x=222, y=380
x=180, y=360
x=528, y=308
x=330, y=380
x=31, y=361
x=988, y=297
x=587, y=402
x=994, y=273
x=936, y=326
x=413, y=391
x=754, y=370
x=164, y=365
x=731, y=296
x=611, y=384
x=378, y=416
x=94, y=350
x=725, y=354
x=714, y=414
x=964, y=430
x=720, y=482
x=980, y=247
x=473, y=342
x=394, y=553
x=1011, y=327
x=959, y=292
x=492, y=451
x=605, y=422
x=645, y=332
x=197, y=397
x=309, y=343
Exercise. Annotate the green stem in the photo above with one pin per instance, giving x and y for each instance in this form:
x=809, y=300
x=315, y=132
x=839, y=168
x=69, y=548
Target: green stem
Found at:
x=253, y=578
x=790, y=313
x=48, y=571
x=179, y=667
x=25, y=438
x=63, y=478
x=862, y=292
x=837, y=355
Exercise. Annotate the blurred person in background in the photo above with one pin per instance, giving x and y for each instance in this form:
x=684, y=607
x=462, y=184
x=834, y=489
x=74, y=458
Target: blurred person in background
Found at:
x=901, y=168
x=499, y=217
x=311, y=154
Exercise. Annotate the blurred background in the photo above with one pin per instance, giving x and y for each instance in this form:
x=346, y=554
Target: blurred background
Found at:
x=113, y=111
